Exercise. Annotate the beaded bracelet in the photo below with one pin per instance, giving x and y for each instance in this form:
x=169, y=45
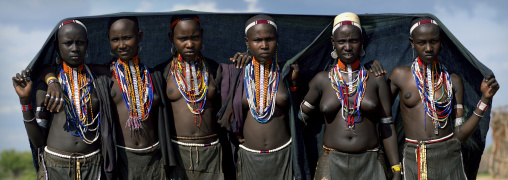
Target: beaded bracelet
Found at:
x=49, y=79
x=293, y=89
x=52, y=81
x=27, y=107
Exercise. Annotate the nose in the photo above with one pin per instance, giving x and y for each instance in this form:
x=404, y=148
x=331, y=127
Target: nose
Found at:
x=428, y=48
x=348, y=47
x=74, y=47
x=121, y=45
x=264, y=45
x=189, y=45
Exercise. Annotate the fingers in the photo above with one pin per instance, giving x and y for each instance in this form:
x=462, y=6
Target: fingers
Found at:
x=246, y=59
x=234, y=57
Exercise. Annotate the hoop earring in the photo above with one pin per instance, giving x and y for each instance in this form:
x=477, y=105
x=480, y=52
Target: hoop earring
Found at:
x=112, y=53
x=334, y=53
x=202, y=47
x=86, y=55
x=248, y=51
x=58, y=59
x=362, y=52
x=139, y=48
x=173, y=49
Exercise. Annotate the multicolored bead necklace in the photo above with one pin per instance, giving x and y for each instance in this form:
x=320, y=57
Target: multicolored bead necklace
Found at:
x=344, y=90
x=261, y=82
x=193, y=88
x=137, y=91
x=76, y=85
x=438, y=109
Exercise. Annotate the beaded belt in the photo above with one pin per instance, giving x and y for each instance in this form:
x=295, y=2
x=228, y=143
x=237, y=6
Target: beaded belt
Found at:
x=266, y=151
x=195, y=138
x=143, y=149
x=421, y=154
x=370, y=150
x=68, y=156
x=195, y=144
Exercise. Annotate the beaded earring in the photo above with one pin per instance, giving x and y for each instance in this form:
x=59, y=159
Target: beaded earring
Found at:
x=112, y=53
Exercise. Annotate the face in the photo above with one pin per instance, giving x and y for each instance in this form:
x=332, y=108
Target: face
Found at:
x=348, y=42
x=426, y=42
x=72, y=44
x=188, y=39
x=262, y=42
x=124, y=38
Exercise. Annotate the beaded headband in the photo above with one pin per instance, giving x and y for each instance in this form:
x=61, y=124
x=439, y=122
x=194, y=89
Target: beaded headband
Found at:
x=72, y=21
x=262, y=21
x=426, y=21
x=346, y=23
x=173, y=24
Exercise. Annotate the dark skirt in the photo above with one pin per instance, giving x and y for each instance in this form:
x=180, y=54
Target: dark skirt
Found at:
x=444, y=160
x=198, y=162
x=58, y=167
x=273, y=165
x=349, y=166
x=140, y=163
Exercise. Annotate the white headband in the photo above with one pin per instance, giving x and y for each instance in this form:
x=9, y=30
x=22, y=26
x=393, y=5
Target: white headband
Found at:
x=345, y=23
x=72, y=21
x=426, y=21
x=261, y=21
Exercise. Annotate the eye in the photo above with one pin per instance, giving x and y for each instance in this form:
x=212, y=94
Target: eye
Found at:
x=114, y=39
x=67, y=43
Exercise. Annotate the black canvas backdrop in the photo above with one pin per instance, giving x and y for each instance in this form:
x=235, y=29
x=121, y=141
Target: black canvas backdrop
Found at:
x=304, y=39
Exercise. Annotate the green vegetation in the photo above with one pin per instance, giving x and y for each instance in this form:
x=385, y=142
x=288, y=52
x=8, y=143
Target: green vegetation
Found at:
x=16, y=165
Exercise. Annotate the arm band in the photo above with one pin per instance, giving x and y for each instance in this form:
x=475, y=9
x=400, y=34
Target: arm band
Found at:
x=458, y=106
x=302, y=116
x=30, y=120
x=308, y=104
x=459, y=121
x=481, y=116
x=387, y=120
x=482, y=106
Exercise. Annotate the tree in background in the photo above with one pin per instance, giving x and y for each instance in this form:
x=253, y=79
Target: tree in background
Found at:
x=498, y=162
x=16, y=165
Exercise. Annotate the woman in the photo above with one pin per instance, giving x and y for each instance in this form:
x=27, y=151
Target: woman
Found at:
x=72, y=146
x=352, y=103
x=192, y=90
x=258, y=108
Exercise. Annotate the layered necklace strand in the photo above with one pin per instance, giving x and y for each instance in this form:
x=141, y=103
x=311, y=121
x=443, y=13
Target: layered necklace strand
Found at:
x=344, y=90
x=261, y=82
x=428, y=84
x=76, y=86
x=192, y=81
x=137, y=91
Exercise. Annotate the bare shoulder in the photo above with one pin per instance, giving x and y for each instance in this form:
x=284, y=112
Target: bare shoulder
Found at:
x=400, y=72
x=456, y=81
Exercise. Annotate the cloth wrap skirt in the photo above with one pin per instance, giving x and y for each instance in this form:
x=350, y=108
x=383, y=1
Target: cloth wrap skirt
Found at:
x=441, y=157
x=271, y=164
x=59, y=166
x=349, y=166
x=197, y=161
x=143, y=163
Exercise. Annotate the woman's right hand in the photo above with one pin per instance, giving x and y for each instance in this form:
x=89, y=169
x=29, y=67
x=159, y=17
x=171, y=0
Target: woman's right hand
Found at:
x=375, y=67
x=241, y=59
x=23, y=86
x=54, y=98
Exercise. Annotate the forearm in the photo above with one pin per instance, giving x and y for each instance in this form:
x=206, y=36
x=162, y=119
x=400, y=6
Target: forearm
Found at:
x=390, y=143
x=32, y=128
x=464, y=131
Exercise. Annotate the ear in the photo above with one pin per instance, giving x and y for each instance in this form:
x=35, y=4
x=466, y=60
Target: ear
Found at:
x=170, y=36
x=246, y=41
x=331, y=39
x=411, y=42
x=140, y=35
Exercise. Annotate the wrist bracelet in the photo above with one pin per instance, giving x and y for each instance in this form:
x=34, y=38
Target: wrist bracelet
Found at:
x=52, y=81
x=30, y=120
x=293, y=89
x=49, y=79
x=481, y=116
x=397, y=167
x=482, y=106
x=27, y=107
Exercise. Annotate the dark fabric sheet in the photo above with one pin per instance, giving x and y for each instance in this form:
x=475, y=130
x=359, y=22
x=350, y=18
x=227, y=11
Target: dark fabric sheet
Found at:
x=55, y=167
x=108, y=133
x=304, y=39
x=339, y=165
x=274, y=165
x=140, y=164
x=198, y=162
x=444, y=161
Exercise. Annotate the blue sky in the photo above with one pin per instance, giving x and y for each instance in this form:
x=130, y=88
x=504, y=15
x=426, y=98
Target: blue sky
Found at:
x=481, y=26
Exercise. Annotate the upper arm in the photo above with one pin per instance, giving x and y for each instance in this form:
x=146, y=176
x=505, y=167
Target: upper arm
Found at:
x=458, y=94
x=315, y=89
x=393, y=80
x=384, y=96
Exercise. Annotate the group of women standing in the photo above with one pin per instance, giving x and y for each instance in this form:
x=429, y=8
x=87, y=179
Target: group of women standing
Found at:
x=190, y=118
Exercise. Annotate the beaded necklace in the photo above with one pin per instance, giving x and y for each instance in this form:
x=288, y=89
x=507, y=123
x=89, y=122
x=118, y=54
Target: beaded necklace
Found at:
x=261, y=82
x=76, y=86
x=344, y=90
x=195, y=96
x=438, y=109
x=137, y=91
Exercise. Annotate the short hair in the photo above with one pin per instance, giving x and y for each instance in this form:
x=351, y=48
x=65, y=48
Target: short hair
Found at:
x=181, y=17
x=260, y=17
x=132, y=18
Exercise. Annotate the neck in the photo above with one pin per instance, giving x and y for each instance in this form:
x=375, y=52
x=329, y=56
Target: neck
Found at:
x=67, y=68
x=420, y=62
x=134, y=59
x=354, y=66
x=180, y=58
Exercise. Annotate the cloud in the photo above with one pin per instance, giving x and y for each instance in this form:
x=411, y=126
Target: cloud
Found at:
x=211, y=6
x=144, y=7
